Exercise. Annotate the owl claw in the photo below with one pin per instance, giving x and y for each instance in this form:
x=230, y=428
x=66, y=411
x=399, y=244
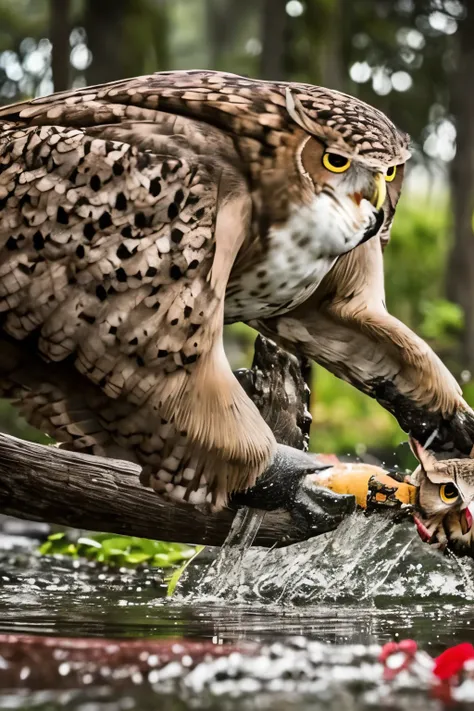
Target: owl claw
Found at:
x=314, y=510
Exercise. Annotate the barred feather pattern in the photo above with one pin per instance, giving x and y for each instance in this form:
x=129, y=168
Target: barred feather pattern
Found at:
x=106, y=251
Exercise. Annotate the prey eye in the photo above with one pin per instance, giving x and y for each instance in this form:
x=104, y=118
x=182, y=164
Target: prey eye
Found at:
x=391, y=173
x=448, y=493
x=335, y=162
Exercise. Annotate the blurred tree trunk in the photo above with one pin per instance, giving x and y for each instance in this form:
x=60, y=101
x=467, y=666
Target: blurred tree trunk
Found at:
x=224, y=19
x=214, y=35
x=332, y=66
x=460, y=283
x=104, y=22
x=274, y=26
x=59, y=31
x=324, y=22
x=221, y=18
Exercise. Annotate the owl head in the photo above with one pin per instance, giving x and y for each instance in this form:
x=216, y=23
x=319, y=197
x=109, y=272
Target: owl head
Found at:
x=445, y=490
x=353, y=154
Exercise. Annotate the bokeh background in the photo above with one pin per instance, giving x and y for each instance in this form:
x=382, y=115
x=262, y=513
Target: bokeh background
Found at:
x=414, y=59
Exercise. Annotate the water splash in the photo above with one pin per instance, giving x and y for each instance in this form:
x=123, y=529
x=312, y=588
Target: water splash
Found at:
x=225, y=572
x=366, y=558
x=465, y=568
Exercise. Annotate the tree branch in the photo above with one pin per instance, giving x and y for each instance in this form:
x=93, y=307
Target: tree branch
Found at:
x=43, y=483
x=54, y=485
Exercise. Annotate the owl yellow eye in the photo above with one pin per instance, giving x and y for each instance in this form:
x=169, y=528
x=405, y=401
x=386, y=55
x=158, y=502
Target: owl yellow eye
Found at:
x=335, y=162
x=391, y=173
x=448, y=493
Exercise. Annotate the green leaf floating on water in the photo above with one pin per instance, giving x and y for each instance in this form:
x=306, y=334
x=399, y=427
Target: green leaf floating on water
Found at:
x=121, y=550
x=175, y=578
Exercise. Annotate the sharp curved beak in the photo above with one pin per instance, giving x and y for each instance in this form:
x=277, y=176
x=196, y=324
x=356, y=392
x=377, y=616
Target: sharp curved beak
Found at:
x=380, y=191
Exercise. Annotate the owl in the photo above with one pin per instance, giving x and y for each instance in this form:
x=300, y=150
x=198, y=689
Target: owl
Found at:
x=445, y=490
x=138, y=217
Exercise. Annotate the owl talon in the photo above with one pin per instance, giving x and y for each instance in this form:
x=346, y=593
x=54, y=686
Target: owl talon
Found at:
x=314, y=510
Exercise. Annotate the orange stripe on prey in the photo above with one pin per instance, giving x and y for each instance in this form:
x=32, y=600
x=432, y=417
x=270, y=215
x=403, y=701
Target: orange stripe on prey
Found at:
x=354, y=479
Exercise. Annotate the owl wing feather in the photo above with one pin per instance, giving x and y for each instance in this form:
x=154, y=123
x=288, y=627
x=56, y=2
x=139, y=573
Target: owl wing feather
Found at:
x=345, y=327
x=116, y=242
x=59, y=401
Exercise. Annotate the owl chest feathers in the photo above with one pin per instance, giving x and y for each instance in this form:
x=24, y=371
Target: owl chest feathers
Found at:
x=298, y=253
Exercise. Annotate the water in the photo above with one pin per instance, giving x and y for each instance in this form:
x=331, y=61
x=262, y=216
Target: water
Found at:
x=225, y=574
x=368, y=583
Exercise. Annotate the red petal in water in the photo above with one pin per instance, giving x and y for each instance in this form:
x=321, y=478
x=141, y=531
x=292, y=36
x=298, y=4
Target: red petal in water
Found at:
x=387, y=650
x=409, y=646
x=406, y=649
x=451, y=661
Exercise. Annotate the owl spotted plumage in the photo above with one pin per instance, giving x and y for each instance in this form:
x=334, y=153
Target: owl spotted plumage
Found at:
x=137, y=217
x=445, y=491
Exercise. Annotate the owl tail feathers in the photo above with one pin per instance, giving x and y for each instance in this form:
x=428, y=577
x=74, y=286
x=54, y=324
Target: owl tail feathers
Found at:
x=233, y=442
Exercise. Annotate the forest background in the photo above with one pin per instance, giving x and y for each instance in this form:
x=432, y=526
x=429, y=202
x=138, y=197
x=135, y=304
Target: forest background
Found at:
x=414, y=59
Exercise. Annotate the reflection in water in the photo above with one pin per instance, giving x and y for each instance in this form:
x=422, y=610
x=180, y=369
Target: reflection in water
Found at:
x=145, y=700
x=367, y=583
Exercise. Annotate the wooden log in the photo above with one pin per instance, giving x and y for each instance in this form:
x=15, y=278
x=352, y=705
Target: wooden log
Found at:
x=48, y=484
x=63, y=487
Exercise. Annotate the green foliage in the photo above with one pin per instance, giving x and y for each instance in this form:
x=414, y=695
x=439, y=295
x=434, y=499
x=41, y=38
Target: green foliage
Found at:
x=120, y=550
x=347, y=421
x=415, y=275
x=174, y=579
x=443, y=321
x=415, y=259
x=12, y=423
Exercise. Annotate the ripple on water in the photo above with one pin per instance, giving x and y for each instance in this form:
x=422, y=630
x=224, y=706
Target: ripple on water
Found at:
x=367, y=583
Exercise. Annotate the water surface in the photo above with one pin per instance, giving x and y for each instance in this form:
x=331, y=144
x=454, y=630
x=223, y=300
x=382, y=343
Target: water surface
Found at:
x=368, y=583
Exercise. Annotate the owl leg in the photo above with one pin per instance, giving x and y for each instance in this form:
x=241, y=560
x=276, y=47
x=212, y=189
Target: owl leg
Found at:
x=283, y=485
x=276, y=386
x=232, y=444
x=275, y=383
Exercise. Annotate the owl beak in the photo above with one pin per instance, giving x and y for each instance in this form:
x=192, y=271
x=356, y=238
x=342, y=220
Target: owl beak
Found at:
x=380, y=191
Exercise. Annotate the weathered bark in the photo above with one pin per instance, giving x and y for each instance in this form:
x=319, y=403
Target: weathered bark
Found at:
x=43, y=483
x=59, y=30
x=461, y=264
x=277, y=383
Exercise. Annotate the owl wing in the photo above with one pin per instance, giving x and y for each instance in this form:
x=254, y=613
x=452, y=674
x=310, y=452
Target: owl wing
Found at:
x=59, y=401
x=345, y=327
x=116, y=243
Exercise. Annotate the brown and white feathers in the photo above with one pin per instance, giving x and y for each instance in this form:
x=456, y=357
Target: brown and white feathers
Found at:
x=445, y=492
x=137, y=216
x=345, y=327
